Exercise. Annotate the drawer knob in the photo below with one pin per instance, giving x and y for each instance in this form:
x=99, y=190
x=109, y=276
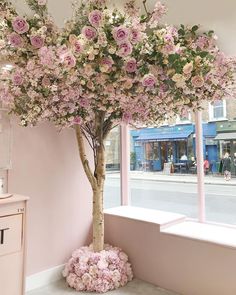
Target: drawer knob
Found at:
x=2, y=231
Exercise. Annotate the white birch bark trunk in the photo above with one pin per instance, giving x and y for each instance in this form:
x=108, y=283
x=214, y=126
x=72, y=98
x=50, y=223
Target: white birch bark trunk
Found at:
x=96, y=180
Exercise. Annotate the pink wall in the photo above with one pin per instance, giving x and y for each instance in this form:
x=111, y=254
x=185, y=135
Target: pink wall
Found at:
x=46, y=167
x=186, y=266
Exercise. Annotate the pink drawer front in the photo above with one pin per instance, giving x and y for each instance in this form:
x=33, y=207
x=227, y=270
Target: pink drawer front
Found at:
x=10, y=234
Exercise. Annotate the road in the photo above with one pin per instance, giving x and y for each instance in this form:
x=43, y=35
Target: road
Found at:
x=176, y=197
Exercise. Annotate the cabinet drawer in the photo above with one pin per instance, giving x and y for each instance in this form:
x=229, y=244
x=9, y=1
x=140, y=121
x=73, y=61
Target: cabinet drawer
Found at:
x=10, y=234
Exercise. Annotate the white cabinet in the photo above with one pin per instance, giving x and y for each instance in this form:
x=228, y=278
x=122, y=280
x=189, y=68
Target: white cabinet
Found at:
x=12, y=245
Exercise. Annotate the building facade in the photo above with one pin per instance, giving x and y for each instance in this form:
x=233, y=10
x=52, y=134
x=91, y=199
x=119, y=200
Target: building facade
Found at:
x=153, y=147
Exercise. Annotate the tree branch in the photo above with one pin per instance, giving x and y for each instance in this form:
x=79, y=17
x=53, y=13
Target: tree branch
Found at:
x=83, y=157
x=145, y=8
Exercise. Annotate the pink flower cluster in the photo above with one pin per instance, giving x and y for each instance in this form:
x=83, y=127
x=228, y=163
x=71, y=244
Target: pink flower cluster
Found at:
x=98, y=271
x=109, y=61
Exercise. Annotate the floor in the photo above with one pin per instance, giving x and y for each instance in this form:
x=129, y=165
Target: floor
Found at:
x=136, y=287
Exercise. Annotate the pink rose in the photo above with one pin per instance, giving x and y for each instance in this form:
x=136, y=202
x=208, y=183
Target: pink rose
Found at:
x=42, y=2
x=107, y=62
x=125, y=49
x=120, y=34
x=46, y=56
x=135, y=36
x=37, y=41
x=131, y=65
x=77, y=120
x=20, y=25
x=95, y=18
x=17, y=78
x=149, y=80
x=78, y=47
x=197, y=81
x=15, y=40
x=89, y=32
x=69, y=60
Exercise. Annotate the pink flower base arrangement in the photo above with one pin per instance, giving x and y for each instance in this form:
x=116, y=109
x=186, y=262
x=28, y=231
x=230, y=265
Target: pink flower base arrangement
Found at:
x=98, y=271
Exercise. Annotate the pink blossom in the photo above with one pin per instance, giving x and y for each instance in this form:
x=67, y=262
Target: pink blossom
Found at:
x=131, y=9
x=197, y=81
x=107, y=61
x=89, y=32
x=30, y=65
x=158, y=12
x=106, y=64
x=202, y=42
x=15, y=40
x=120, y=34
x=95, y=18
x=17, y=78
x=42, y=2
x=46, y=81
x=78, y=46
x=125, y=49
x=62, y=50
x=69, y=60
x=37, y=41
x=84, y=102
x=169, y=48
x=46, y=56
x=149, y=80
x=98, y=272
x=88, y=70
x=131, y=65
x=20, y=25
x=127, y=117
x=77, y=120
x=135, y=36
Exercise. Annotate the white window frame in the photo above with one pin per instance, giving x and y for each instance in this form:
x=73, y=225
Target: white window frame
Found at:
x=211, y=112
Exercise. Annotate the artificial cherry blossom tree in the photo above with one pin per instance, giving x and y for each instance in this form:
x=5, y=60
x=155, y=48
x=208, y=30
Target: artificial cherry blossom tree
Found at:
x=106, y=66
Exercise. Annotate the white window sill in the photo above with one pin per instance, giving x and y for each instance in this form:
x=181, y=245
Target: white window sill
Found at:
x=220, y=235
x=218, y=119
x=177, y=225
x=160, y=218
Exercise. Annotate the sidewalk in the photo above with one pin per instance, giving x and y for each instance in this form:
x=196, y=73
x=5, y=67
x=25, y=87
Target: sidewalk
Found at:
x=183, y=178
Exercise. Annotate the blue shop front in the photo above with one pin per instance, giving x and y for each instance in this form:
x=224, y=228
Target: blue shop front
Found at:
x=155, y=146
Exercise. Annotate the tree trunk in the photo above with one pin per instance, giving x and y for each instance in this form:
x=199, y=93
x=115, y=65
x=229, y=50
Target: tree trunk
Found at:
x=98, y=215
x=98, y=220
x=96, y=180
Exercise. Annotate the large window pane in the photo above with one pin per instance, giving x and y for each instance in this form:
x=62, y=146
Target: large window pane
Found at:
x=163, y=169
x=221, y=196
x=112, y=196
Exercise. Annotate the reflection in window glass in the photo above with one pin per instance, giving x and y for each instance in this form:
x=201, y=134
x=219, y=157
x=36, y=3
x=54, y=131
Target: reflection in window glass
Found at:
x=112, y=184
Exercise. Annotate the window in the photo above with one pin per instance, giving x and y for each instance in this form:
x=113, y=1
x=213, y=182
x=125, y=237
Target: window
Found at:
x=112, y=190
x=160, y=179
x=154, y=179
x=217, y=110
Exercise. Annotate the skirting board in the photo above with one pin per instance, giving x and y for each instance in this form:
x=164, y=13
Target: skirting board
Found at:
x=44, y=278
